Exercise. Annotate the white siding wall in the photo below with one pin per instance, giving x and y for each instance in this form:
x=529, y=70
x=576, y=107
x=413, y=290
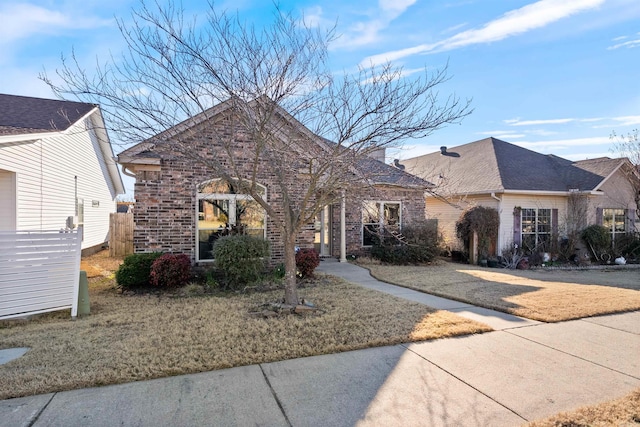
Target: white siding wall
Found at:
x=45, y=171
x=510, y=201
x=448, y=214
x=7, y=200
x=618, y=194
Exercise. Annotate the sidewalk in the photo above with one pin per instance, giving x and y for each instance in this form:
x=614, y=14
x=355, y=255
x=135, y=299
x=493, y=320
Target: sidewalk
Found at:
x=521, y=372
x=355, y=274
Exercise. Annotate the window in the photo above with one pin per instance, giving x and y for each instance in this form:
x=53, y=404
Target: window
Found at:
x=536, y=229
x=377, y=216
x=614, y=221
x=223, y=210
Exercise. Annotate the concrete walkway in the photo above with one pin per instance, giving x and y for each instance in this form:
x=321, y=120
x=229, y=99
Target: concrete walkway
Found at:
x=355, y=274
x=522, y=372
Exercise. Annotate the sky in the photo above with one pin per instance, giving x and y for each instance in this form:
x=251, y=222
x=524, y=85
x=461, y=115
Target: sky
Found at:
x=554, y=76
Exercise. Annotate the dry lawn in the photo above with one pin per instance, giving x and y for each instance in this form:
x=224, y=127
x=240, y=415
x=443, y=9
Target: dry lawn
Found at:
x=621, y=412
x=135, y=337
x=548, y=296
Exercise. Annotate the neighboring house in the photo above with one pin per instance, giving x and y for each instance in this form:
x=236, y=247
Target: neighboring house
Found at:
x=182, y=208
x=56, y=162
x=537, y=196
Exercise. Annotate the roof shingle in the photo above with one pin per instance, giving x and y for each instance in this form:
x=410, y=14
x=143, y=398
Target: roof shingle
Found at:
x=491, y=164
x=24, y=115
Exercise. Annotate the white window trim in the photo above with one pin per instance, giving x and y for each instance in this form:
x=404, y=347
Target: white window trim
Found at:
x=232, y=207
x=612, y=229
x=536, y=233
x=380, y=216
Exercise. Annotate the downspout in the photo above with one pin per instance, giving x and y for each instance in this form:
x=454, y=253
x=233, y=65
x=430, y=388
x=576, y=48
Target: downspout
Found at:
x=499, y=242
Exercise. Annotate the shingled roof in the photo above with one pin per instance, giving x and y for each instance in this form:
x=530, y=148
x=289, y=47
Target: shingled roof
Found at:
x=377, y=172
x=493, y=165
x=26, y=115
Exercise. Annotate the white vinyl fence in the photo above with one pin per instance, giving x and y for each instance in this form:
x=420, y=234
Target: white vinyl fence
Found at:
x=39, y=272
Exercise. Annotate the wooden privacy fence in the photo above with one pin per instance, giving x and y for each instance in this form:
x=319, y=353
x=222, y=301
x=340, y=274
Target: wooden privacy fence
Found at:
x=120, y=234
x=39, y=272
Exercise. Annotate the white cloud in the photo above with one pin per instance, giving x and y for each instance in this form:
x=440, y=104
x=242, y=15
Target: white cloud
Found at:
x=585, y=156
x=628, y=120
x=518, y=122
x=560, y=144
x=395, y=6
x=312, y=16
x=518, y=21
x=502, y=134
x=367, y=32
x=628, y=44
x=394, y=75
x=21, y=20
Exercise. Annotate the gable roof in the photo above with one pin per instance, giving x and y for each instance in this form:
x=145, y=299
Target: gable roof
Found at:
x=26, y=115
x=24, y=118
x=377, y=172
x=492, y=165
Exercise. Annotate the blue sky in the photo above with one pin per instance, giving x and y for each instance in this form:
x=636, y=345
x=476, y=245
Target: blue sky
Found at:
x=554, y=76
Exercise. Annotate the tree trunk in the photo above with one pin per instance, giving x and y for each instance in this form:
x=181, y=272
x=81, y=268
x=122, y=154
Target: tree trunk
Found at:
x=290, y=285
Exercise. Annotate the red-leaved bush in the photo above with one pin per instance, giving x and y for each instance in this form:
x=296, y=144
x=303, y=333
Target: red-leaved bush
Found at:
x=306, y=261
x=170, y=271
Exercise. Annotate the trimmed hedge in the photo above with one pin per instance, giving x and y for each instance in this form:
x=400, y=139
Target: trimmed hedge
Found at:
x=135, y=271
x=241, y=258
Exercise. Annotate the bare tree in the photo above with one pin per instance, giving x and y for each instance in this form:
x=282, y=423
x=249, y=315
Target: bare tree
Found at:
x=629, y=146
x=177, y=68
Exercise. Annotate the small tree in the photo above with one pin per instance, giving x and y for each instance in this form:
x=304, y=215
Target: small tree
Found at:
x=483, y=221
x=176, y=68
x=629, y=146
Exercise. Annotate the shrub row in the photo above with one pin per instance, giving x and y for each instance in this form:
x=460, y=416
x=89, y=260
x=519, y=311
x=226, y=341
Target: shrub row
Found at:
x=240, y=258
x=419, y=243
x=153, y=270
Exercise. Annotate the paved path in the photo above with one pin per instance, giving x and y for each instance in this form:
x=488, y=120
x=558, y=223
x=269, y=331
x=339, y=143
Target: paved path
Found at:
x=355, y=274
x=516, y=374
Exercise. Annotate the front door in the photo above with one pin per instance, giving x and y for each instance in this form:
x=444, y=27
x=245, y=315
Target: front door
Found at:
x=322, y=239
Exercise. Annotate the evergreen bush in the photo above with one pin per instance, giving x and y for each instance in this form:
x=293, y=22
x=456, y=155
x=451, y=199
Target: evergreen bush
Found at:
x=597, y=238
x=241, y=258
x=135, y=271
x=419, y=243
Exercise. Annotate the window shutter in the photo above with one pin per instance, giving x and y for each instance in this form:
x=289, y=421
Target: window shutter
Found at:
x=631, y=220
x=517, y=231
x=554, y=222
x=599, y=216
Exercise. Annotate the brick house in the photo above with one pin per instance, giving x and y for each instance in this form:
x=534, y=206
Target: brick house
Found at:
x=183, y=207
x=539, y=197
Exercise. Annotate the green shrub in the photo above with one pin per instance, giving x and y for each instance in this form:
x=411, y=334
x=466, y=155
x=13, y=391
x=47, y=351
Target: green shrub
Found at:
x=627, y=245
x=241, y=258
x=279, y=271
x=171, y=271
x=482, y=220
x=597, y=238
x=419, y=243
x=306, y=261
x=135, y=271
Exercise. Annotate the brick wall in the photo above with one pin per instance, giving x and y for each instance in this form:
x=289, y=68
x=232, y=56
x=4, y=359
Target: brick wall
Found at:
x=166, y=200
x=412, y=204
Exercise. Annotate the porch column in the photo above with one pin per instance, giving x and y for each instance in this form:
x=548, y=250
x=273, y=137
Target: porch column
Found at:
x=323, y=218
x=343, y=229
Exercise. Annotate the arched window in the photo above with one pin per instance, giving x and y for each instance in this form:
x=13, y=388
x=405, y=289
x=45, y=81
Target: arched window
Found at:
x=224, y=210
